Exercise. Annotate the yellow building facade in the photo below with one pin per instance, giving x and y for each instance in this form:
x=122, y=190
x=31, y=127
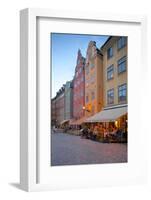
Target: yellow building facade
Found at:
x=93, y=80
x=115, y=75
x=115, y=71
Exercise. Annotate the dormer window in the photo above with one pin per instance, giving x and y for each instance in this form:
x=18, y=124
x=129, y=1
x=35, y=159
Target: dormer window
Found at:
x=110, y=52
x=121, y=42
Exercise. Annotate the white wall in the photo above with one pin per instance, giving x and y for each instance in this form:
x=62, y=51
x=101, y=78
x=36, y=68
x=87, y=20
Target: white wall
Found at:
x=9, y=101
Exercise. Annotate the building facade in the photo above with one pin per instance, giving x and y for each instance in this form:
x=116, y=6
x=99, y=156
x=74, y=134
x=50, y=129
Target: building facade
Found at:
x=98, y=92
x=115, y=71
x=115, y=74
x=93, y=80
x=60, y=105
x=53, y=111
x=79, y=87
x=68, y=98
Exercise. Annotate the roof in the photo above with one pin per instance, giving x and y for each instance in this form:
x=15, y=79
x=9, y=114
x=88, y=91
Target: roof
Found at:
x=106, y=42
x=99, y=52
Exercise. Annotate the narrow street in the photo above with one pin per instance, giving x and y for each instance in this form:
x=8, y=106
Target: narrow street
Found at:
x=73, y=150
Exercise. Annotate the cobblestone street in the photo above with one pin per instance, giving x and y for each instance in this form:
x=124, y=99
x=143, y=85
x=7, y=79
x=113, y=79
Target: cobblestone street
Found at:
x=73, y=150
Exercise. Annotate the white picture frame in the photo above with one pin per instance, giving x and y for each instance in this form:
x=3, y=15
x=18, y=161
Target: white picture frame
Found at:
x=29, y=110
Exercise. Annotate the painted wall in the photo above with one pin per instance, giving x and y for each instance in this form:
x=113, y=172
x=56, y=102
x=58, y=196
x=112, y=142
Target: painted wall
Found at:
x=79, y=87
x=93, y=80
x=68, y=104
x=118, y=79
x=53, y=111
x=59, y=106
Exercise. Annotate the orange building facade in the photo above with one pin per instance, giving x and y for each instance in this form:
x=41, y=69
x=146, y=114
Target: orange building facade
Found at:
x=93, y=80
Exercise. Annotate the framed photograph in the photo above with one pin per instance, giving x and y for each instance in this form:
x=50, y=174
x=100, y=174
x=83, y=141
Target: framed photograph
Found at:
x=82, y=77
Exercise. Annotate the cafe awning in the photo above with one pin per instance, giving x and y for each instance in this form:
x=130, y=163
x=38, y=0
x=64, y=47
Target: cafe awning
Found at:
x=77, y=122
x=64, y=121
x=108, y=115
x=81, y=120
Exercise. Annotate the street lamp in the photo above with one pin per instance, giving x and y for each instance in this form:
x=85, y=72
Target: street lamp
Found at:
x=84, y=108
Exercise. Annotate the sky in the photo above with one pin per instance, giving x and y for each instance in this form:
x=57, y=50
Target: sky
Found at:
x=64, y=51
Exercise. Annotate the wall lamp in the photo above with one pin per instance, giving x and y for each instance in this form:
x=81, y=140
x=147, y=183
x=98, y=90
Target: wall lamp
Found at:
x=84, y=108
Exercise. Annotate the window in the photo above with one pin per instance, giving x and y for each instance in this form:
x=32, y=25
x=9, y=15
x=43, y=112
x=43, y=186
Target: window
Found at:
x=121, y=42
x=87, y=98
x=82, y=78
x=110, y=72
x=122, y=93
x=78, y=62
x=92, y=79
x=110, y=96
x=76, y=73
x=93, y=109
x=110, y=52
x=91, y=65
x=87, y=82
x=87, y=60
x=93, y=51
x=87, y=69
x=122, y=65
x=92, y=95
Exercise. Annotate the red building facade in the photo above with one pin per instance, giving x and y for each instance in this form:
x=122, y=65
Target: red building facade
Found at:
x=79, y=87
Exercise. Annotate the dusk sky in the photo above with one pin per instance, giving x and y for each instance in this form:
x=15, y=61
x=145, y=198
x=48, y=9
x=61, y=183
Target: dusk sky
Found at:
x=64, y=55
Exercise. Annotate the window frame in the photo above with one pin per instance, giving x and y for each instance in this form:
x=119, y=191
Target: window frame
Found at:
x=87, y=69
x=109, y=69
x=87, y=98
x=122, y=44
x=92, y=95
x=108, y=54
x=110, y=90
x=118, y=65
x=125, y=89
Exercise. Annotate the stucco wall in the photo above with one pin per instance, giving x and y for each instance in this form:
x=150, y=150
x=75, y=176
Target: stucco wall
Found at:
x=118, y=79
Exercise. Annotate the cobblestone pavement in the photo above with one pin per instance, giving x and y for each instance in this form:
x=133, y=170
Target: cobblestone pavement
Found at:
x=73, y=150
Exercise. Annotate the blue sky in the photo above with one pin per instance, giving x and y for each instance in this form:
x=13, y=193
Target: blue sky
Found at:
x=64, y=55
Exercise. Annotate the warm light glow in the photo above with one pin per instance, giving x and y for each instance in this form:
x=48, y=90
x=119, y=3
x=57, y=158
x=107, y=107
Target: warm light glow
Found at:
x=83, y=107
x=116, y=123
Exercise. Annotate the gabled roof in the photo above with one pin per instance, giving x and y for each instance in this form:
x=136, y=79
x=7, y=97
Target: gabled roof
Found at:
x=106, y=42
